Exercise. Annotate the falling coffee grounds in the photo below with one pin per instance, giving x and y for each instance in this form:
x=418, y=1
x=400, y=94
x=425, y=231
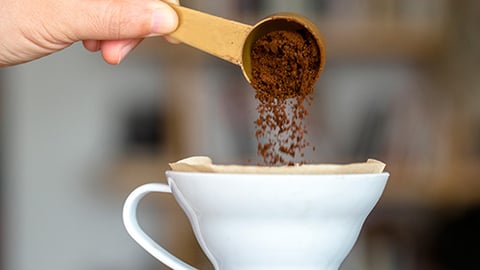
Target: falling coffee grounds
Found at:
x=284, y=70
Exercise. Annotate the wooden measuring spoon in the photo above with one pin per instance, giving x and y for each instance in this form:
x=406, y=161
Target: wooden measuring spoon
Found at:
x=231, y=40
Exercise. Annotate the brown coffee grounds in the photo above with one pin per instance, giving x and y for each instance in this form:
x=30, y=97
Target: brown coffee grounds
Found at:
x=284, y=70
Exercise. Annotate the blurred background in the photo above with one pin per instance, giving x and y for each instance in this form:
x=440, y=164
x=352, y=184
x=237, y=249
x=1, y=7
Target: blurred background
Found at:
x=401, y=85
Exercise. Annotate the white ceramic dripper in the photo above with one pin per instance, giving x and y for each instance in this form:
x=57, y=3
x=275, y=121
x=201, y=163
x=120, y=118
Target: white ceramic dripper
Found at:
x=266, y=221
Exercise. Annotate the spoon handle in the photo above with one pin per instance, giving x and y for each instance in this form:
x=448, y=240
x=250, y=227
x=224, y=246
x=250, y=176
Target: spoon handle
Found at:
x=215, y=35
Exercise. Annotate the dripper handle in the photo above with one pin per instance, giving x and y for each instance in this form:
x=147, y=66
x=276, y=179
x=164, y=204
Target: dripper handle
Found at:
x=133, y=228
x=215, y=35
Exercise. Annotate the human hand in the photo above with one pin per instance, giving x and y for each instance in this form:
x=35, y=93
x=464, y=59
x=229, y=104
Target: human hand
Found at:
x=30, y=29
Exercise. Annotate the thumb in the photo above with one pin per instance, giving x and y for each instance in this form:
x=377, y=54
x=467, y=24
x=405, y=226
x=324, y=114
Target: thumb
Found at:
x=122, y=19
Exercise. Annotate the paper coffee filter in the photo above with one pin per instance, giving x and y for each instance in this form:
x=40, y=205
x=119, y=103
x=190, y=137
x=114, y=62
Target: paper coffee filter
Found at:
x=205, y=164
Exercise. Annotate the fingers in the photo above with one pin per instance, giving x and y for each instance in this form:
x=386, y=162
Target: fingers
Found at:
x=91, y=45
x=114, y=51
x=122, y=24
x=121, y=19
x=164, y=20
x=168, y=38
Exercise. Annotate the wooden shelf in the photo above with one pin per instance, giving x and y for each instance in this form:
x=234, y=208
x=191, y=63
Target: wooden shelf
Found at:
x=442, y=186
x=367, y=39
x=344, y=40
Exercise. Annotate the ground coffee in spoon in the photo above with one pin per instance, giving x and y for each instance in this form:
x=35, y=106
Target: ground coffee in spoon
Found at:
x=284, y=71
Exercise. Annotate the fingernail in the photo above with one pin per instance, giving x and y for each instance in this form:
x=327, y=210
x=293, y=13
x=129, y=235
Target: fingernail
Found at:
x=165, y=21
x=125, y=50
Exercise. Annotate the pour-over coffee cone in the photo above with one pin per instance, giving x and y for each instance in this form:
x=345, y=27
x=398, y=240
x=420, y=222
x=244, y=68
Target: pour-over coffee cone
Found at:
x=252, y=217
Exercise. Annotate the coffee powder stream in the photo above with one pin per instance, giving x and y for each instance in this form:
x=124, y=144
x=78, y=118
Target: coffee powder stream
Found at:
x=284, y=71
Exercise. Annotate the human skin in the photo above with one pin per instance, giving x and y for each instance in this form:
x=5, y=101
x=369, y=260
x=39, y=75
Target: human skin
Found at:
x=31, y=29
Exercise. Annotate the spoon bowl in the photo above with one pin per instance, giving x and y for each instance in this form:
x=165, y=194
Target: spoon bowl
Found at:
x=277, y=22
x=233, y=41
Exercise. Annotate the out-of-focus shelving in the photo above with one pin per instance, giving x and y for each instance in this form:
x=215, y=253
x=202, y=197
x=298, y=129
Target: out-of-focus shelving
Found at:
x=368, y=28
x=374, y=39
x=417, y=34
x=400, y=85
x=455, y=186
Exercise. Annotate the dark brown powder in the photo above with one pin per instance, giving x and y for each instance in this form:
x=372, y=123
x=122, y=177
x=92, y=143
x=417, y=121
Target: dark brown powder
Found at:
x=284, y=70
